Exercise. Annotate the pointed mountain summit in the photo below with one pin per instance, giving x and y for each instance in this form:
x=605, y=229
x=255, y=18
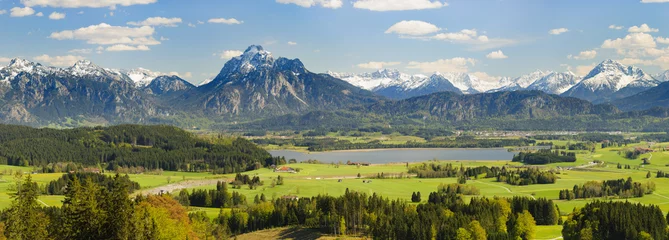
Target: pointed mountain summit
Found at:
x=611, y=80
x=255, y=83
x=555, y=82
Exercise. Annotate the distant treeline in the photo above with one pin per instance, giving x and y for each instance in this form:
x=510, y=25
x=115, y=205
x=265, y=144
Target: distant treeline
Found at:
x=527, y=176
x=150, y=147
x=621, y=188
x=59, y=186
x=329, y=144
x=544, y=156
x=435, y=170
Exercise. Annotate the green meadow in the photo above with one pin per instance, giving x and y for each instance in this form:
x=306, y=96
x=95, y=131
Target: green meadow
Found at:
x=331, y=179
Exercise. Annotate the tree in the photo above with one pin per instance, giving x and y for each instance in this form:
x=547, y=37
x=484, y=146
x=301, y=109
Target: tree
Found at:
x=648, y=174
x=118, y=203
x=342, y=226
x=478, y=233
x=463, y=234
x=525, y=225
x=25, y=218
x=83, y=216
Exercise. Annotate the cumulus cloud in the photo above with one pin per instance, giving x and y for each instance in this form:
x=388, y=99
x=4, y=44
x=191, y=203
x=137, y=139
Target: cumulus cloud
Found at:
x=56, y=16
x=157, y=21
x=398, y=5
x=333, y=4
x=123, y=47
x=21, y=12
x=496, y=55
x=654, y=1
x=471, y=37
x=378, y=65
x=292, y=43
x=444, y=65
x=558, y=31
x=413, y=27
x=228, y=54
x=85, y=3
x=590, y=54
x=105, y=34
x=613, y=26
x=644, y=28
x=181, y=75
x=225, y=21
x=631, y=41
x=81, y=51
x=2, y=11
x=4, y=60
x=59, y=61
x=662, y=40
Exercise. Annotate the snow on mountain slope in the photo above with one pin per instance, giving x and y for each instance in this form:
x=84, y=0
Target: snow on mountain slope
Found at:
x=555, y=83
x=141, y=76
x=610, y=77
x=662, y=76
x=17, y=66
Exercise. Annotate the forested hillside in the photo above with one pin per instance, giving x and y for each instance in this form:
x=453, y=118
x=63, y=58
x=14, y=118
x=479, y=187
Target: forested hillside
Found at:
x=149, y=147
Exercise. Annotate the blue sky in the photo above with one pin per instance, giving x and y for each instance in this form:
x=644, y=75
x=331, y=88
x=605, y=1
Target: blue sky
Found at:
x=194, y=38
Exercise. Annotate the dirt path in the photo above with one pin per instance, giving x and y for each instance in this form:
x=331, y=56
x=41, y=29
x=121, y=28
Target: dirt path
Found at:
x=40, y=201
x=174, y=187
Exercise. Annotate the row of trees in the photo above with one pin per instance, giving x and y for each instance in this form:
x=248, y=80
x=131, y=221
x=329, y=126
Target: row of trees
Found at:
x=544, y=156
x=59, y=186
x=527, y=176
x=621, y=188
x=435, y=170
x=616, y=221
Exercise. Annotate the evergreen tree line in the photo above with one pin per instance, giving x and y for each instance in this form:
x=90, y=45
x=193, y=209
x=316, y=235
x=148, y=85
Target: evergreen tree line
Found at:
x=126, y=146
x=217, y=198
x=620, y=188
x=457, y=188
x=527, y=176
x=435, y=170
x=616, y=221
x=59, y=186
x=544, y=156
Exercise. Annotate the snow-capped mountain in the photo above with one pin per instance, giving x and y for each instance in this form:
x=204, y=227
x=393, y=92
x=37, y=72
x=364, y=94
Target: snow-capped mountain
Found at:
x=141, y=76
x=522, y=82
x=611, y=80
x=206, y=81
x=555, y=82
x=662, y=76
x=167, y=84
x=373, y=80
x=17, y=66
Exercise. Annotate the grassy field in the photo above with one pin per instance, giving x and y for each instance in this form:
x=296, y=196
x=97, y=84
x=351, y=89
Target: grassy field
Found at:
x=321, y=179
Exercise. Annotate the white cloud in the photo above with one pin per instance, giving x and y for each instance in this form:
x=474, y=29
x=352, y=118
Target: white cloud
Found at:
x=2, y=11
x=85, y=3
x=191, y=25
x=496, y=55
x=40, y=14
x=443, y=65
x=378, y=65
x=59, y=61
x=654, y=1
x=225, y=21
x=56, y=16
x=4, y=60
x=635, y=61
x=644, y=28
x=157, y=21
x=581, y=70
x=662, y=40
x=398, y=5
x=412, y=27
x=81, y=51
x=80, y=12
x=181, y=75
x=631, y=41
x=558, y=31
x=164, y=38
x=334, y=4
x=21, y=12
x=200, y=22
x=471, y=37
x=292, y=43
x=613, y=26
x=486, y=77
x=584, y=55
x=228, y=54
x=105, y=34
x=123, y=47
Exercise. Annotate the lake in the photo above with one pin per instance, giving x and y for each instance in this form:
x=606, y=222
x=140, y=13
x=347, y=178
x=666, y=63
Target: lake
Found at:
x=398, y=155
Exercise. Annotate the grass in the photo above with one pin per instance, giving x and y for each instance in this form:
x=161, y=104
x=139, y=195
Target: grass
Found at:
x=322, y=179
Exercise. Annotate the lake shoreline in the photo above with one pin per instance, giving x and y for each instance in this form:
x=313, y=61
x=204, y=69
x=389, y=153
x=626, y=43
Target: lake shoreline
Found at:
x=383, y=149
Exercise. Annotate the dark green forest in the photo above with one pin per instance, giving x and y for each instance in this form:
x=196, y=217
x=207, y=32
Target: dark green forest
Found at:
x=149, y=147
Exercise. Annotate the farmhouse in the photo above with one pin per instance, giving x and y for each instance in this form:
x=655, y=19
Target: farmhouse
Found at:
x=284, y=169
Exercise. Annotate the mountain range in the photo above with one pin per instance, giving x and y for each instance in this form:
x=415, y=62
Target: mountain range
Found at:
x=256, y=86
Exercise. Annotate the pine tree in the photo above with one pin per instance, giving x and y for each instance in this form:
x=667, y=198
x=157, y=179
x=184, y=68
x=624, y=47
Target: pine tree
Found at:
x=478, y=233
x=120, y=206
x=25, y=218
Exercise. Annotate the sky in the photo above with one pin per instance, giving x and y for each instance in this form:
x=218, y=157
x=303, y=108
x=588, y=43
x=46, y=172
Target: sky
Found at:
x=194, y=38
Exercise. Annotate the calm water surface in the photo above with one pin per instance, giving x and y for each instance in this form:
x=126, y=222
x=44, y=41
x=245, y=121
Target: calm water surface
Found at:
x=398, y=155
